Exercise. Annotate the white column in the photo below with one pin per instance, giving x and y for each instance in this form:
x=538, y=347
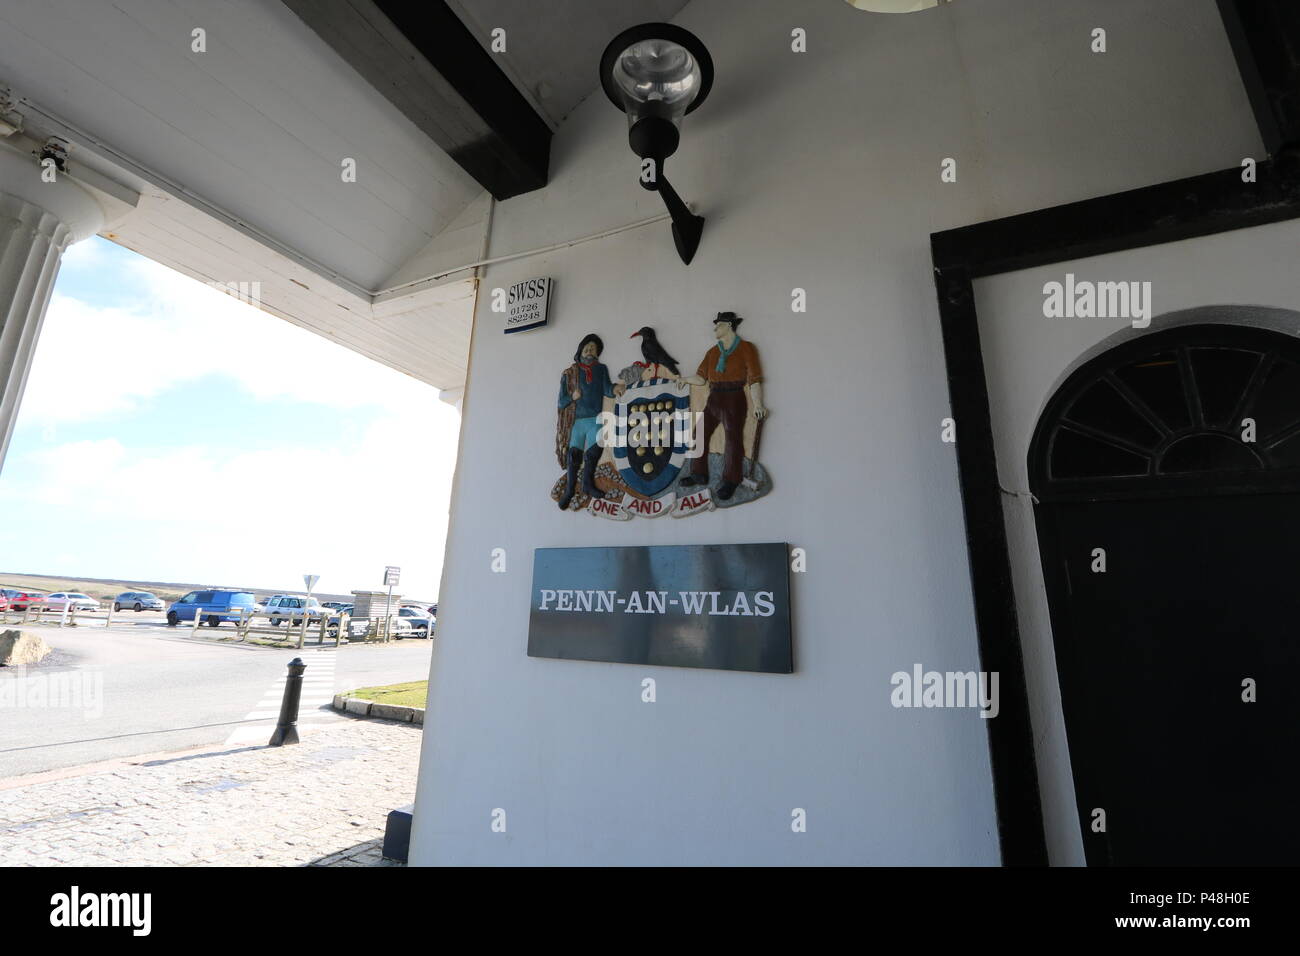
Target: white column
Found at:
x=38, y=220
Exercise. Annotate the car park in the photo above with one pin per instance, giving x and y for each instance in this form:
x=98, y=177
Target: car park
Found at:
x=212, y=607
x=138, y=601
x=71, y=599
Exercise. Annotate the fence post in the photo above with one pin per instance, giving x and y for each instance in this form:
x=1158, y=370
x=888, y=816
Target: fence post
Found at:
x=63, y=615
x=108, y=622
x=302, y=628
x=198, y=619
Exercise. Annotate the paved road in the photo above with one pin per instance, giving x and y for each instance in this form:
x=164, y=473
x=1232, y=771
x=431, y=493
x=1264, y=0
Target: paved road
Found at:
x=144, y=688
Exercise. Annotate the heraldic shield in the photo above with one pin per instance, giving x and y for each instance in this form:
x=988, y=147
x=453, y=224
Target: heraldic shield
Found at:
x=652, y=429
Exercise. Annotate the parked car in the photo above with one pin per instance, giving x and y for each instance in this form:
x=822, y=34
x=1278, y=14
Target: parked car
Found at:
x=420, y=623
x=20, y=600
x=335, y=605
x=211, y=607
x=4, y=602
x=292, y=608
x=71, y=599
x=138, y=601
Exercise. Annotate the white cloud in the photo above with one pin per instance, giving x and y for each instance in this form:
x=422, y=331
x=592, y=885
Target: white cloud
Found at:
x=257, y=518
x=212, y=515
x=94, y=363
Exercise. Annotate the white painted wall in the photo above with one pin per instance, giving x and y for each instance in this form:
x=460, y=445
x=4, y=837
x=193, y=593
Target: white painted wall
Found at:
x=820, y=171
x=1243, y=277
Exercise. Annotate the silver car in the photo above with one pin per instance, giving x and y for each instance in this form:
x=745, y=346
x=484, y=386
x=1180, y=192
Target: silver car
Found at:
x=138, y=601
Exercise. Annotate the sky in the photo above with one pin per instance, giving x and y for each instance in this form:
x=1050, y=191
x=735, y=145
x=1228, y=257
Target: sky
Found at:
x=171, y=433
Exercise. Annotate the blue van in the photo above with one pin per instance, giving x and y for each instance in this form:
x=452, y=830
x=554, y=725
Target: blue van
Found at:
x=212, y=607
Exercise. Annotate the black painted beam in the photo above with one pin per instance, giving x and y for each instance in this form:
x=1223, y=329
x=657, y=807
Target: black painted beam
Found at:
x=1166, y=212
x=429, y=65
x=1265, y=38
x=1011, y=739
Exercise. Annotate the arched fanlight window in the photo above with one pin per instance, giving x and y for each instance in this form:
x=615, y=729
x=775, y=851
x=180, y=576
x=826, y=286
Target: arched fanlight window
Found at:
x=1196, y=407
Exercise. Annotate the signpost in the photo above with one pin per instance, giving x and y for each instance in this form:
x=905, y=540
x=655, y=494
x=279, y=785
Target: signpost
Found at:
x=309, y=580
x=392, y=575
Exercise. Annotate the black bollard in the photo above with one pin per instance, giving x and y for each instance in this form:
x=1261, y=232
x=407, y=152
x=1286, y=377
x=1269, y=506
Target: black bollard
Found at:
x=286, y=730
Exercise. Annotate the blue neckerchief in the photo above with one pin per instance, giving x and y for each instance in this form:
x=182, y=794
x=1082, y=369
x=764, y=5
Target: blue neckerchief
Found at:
x=724, y=353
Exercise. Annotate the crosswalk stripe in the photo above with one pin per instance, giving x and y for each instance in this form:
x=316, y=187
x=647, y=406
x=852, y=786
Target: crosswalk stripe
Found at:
x=317, y=693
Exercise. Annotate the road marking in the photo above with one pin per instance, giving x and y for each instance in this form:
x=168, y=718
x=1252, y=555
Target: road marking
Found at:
x=314, y=711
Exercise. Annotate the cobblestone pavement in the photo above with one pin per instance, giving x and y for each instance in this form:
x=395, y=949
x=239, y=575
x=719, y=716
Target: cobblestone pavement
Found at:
x=321, y=802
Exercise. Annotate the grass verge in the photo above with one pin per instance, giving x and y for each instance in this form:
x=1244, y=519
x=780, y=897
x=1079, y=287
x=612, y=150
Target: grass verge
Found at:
x=410, y=694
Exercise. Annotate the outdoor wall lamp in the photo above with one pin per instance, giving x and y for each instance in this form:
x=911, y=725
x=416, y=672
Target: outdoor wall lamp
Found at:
x=656, y=73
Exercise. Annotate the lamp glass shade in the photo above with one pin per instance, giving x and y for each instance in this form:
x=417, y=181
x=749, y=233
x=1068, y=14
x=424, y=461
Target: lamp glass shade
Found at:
x=656, y=77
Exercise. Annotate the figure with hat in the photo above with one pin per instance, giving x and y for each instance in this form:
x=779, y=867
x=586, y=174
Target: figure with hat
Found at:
x=584, y=386
x=728, y=369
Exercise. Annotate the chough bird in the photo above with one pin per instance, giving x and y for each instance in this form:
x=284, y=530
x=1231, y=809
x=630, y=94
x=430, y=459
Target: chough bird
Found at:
x=654, y=353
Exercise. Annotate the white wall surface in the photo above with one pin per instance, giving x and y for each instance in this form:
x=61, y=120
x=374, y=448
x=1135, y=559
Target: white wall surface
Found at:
x=820, y=171
x=1243, y=277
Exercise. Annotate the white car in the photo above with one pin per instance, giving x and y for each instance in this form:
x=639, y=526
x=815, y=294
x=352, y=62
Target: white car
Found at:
x=292, y=608
x=73, y=599
x=418, y=622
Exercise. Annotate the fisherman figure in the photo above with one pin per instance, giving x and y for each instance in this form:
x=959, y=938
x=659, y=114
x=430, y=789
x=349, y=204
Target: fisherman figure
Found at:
x=727, y=369
x=584, y=386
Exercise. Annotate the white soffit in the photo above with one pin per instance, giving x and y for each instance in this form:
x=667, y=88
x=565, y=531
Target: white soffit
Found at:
x=237, y=153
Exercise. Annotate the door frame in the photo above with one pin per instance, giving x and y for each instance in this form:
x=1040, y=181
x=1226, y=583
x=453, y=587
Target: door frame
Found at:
x=1077, y=697
x=1167, y=212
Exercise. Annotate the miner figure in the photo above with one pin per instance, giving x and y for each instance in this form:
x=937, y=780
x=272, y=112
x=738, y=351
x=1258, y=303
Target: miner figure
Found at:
x=727, y=369
x=584, y=386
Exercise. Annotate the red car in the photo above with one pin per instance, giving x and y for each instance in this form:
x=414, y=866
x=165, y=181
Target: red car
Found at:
x=21, y=600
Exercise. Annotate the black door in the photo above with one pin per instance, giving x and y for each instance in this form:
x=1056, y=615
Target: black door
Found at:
x=1170, y=537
